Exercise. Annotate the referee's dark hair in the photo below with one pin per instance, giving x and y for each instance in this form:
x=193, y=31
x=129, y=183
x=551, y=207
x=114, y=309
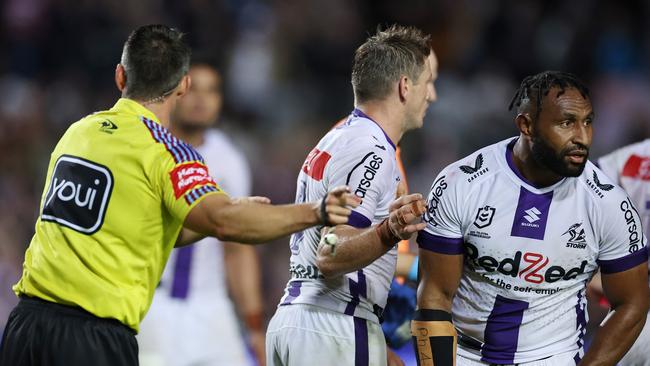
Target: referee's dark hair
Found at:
x=534, y=88
x=155, y=59
x=385, y=57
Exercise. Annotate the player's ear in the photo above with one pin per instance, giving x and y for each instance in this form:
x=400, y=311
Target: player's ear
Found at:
x=120, y=77
x=185, y=84
x=403, y=88
x=524, y=123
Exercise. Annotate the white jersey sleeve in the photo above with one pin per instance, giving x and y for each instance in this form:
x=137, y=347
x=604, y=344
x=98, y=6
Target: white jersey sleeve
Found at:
x=443, y=218
x=367, y=168
x=622, y=243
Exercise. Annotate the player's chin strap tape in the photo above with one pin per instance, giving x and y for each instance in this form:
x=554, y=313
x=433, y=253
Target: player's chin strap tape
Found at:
x=434, y=338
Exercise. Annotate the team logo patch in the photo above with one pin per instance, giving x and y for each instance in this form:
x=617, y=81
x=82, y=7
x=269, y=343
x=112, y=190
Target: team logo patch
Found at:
x=189, y=175
x=577, y=236
x=314, y=165
x=78, y=194
x=484, y=217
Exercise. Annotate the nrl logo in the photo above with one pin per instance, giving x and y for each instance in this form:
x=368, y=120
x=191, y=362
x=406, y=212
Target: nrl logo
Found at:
x=484, y=217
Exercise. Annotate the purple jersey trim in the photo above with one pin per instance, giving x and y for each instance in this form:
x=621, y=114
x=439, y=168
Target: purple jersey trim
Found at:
x=359, y=113
x=440, y=244
x=623, y=263
x=358, y=220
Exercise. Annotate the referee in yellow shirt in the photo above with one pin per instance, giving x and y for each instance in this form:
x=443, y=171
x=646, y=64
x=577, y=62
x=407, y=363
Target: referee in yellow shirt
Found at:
x=119, y=189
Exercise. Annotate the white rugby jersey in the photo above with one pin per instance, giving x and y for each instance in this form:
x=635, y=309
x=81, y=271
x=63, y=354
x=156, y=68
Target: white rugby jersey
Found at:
x=360, y=155
x=630, y=167
x=529, y=252
x=198, y=269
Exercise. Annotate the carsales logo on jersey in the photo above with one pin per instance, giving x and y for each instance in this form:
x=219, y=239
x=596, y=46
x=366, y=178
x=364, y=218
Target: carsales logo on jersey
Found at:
x=187, y=176
x=531, y=267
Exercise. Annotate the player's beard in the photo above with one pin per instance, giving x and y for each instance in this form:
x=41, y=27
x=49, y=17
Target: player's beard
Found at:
x=545, y=156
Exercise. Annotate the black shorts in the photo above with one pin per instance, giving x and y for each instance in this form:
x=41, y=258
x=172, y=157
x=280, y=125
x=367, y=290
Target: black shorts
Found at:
x=41, y=333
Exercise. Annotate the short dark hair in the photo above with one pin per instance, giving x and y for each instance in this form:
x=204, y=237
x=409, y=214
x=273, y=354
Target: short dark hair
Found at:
x=155, y=59
x=385, y=57
x=535, y=87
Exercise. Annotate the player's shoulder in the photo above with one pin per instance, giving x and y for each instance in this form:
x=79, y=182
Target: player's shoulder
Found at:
x=601, y=189
x=359, y=137
x=476, y=167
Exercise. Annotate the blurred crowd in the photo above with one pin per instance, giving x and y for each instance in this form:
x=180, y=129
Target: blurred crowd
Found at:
x=286, y=68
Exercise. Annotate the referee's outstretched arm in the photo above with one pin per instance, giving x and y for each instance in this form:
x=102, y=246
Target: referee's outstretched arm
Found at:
x=248, y=221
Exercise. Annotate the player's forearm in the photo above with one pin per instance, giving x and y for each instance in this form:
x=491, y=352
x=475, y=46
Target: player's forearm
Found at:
x=616, y=336
x=355, y=249
x=258, y=223
x=243, y=276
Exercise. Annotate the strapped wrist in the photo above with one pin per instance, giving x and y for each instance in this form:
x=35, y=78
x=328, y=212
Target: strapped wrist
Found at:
x=386, y=235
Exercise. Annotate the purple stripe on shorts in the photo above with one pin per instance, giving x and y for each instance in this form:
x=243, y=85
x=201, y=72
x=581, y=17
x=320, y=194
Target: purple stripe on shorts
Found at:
x=358, y=220
x=623, y=263
x=182, y=269
x=293, y=292
x=581, y=326
x=531, y=214
x=502, y=330
x=440, y=244
x=361, y=357
x=357, y=289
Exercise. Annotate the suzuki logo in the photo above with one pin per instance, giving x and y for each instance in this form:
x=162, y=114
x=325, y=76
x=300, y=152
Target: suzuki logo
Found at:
x=532, y=215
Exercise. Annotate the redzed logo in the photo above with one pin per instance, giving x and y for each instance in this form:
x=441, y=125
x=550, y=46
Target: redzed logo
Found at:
x=314, y=165
x=187, y=176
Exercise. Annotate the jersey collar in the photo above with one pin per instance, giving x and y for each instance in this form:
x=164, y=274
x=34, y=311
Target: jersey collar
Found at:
x=359, y=113
x=126, y=105
x=516, y=174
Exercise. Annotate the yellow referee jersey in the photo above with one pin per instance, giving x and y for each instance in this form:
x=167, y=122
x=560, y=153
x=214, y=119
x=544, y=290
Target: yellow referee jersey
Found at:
x=118, y=189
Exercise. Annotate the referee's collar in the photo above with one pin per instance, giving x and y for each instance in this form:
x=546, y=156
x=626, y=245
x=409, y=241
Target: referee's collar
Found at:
x=126, y=105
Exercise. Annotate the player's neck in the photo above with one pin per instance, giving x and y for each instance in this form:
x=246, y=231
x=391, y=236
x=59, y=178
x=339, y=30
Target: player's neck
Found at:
x=386, y=117
x=192, y=135
x=162, y=110
x=523, y=159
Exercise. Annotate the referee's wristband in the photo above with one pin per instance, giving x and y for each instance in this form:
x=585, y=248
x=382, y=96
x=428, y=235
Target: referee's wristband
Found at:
x=413, y=271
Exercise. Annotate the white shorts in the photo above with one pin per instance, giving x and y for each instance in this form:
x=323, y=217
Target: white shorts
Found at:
x=639, y=354
x=300, y=335
x=562, y=359
x=197, y=331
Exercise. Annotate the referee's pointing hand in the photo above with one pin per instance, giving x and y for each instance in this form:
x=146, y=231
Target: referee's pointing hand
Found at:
x=333, y=208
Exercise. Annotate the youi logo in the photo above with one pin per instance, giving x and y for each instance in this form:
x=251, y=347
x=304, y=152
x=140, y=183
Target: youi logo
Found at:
x=78, y=194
